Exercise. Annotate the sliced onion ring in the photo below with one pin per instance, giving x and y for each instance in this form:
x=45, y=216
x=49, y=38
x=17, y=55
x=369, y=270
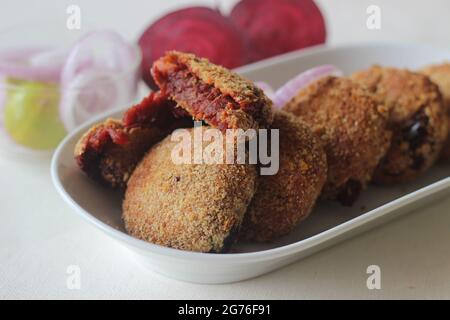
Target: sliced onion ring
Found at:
x=97, y=76
x=101, y=49
x=92, y=92
x=266, y=88
x=19, y=53
x=284, y=94
x=16, y=63
x=53, y=58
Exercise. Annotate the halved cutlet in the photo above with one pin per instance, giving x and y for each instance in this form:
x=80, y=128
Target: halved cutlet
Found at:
x=211, y=93
x=109, y=151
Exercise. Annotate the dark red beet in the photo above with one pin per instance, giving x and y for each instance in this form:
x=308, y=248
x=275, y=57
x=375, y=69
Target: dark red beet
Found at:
x=100, y=138
x=199, y=30
x=278, y=26
x=156, y=111
x=148, y=110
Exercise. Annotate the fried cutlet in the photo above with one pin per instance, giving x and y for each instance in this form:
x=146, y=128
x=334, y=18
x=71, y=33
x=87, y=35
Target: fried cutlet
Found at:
x=284, y=199
x=211, y=93
x=417, y=116
x=108, y=152
x=440, y=75
x=195, y=207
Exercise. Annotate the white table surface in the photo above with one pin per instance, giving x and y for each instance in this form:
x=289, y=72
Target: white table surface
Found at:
x=40, y=236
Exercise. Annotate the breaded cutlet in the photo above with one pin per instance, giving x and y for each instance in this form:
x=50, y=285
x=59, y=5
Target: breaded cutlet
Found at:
x=218, y=96
x=108, y=152
x=353, y=129
x=284, y=199
x=417, y=116
x=195, y=207
x=440, y=75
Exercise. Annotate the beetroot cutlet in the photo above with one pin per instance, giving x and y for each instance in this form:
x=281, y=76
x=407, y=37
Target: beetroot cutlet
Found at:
x=157, y=111
x=417, y=116
x=195, y=207
x=211, y=93
x=440, y=75
x=354, y=132
x=284, y=199
x=108, y=152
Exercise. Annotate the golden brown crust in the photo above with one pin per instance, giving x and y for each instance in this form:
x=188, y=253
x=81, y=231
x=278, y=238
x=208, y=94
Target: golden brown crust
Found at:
x=110, y=162
x=440, y=75
x=284, y=199
x=252, y=108
x=354, y=133
x=196, y=207
x=417, y=117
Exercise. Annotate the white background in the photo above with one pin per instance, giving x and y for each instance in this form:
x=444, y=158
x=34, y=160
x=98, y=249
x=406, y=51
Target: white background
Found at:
x=40, y=236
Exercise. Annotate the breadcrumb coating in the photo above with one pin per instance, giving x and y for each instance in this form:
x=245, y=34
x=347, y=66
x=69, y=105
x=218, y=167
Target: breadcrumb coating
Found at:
x=195, y=207
x=417, y=116
x=440, y=75
x=353, y=129
x=220, y=97
x=284, y=199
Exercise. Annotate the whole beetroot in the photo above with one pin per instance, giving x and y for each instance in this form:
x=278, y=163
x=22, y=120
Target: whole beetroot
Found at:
x=199, y=30
x=278, y=26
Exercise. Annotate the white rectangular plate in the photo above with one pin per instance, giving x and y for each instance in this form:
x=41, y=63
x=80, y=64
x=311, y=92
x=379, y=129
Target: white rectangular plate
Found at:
x=329, y=222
